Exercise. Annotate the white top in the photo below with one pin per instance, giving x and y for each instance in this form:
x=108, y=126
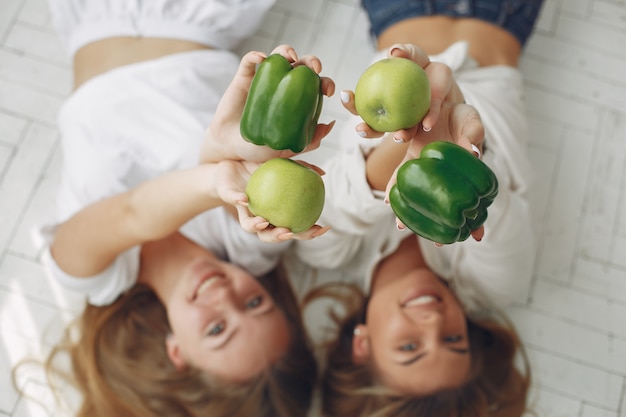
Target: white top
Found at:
x=496, y=270
x=221, y=24
x=132, y=124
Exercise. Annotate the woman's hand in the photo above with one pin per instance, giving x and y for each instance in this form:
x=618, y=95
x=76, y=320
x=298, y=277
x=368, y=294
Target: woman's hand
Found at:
x=448, y=118
x=230, y=183
x=223, y=140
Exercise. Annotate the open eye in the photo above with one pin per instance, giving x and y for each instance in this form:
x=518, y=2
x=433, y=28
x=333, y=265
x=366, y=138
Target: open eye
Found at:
x=452, y=339
x=408, y=347
x=216, y=329
x=254, y=302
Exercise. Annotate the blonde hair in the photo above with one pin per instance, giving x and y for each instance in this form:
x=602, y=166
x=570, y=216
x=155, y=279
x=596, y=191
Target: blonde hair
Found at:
x=496, y=386
x=121, y=367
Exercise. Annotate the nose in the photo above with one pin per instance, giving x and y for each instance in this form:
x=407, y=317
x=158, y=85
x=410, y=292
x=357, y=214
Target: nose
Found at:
x=430, y=319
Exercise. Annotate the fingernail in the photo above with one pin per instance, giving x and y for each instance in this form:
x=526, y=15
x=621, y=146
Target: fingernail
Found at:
x=321, y=231
x=426, y=128
x=476, y=151
x=393, y=48
x=361, y=133
x=345, y=97
x=285, y=236
x=397, y=140
x=262, y=225
x=400, y=228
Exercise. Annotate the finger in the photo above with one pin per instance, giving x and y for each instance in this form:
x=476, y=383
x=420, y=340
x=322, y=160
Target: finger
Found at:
x=275, y=234
x=362, y=129
x=365, y=131
x=467, y=129
x=410, y=51
x=478, y=234
x=310, y=61
x=247, y=65
x=312, y=233
x=430, y=120
x=250, y=223
x=328, y=86
x=405, y=135
x=286, y=51
x=321, y=131
x=281, y=234
x=347, y=99
x=311, y=166
x=234, y=197
x=476, y=151
x=441, y=81
x=237, y=91
x=392, y=181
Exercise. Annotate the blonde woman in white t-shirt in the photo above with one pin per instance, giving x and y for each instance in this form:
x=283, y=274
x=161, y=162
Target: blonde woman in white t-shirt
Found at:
x=189, y=312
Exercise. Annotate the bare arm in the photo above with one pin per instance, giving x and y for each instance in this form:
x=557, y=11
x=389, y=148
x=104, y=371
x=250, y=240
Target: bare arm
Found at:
x=89, y=241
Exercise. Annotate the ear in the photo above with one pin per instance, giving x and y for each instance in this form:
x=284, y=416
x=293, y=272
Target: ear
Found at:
x=360, y=345
x=174, y=353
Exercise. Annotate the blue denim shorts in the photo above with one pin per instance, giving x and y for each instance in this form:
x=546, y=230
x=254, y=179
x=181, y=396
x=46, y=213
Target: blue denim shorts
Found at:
x=516, y=16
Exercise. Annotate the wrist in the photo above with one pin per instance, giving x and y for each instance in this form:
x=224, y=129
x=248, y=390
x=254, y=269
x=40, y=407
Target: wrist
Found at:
x=213, y=151
x=205, y=181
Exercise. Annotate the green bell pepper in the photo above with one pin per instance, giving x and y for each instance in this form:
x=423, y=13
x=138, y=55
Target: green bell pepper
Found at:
x=283, y=105
x=444, y=194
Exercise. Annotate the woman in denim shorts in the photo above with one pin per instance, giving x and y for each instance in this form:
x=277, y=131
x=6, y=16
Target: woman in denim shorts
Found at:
x=440, y=358
x=472, y=19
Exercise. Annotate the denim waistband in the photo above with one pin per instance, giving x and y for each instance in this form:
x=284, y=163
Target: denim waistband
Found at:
x=515, y=16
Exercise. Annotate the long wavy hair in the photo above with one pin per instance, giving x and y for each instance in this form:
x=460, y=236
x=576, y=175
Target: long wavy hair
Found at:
x=120, y=365
x=496, y=386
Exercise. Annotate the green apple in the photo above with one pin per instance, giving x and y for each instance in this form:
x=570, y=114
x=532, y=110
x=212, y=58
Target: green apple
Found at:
x=286, y=193
x=392, y=94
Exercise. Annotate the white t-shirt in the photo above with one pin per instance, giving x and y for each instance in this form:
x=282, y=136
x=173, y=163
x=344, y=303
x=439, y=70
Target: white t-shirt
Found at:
x=135, y=123
x=496, y=270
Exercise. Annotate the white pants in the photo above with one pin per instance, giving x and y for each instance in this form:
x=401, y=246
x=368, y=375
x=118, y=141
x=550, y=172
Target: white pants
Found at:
x=220, y=24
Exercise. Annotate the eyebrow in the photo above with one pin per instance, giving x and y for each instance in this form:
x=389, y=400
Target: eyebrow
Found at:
x=232, y=334
x=421, y=355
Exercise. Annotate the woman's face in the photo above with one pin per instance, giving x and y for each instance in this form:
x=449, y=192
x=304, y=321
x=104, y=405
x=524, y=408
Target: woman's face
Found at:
x=415, y=335
x=223, y=320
